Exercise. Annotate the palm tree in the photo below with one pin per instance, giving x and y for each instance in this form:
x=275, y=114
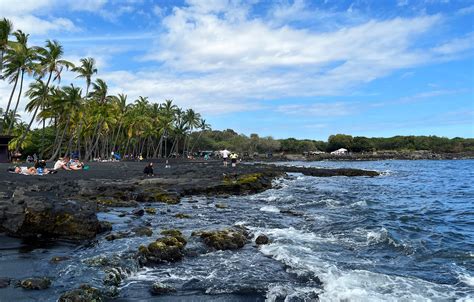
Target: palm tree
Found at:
x=6, y=27
x=86, y=70
x=203, y=126
x=51, y=63
x=99, y=95
x=38, y=94
x=20, y=59
x=68, y=102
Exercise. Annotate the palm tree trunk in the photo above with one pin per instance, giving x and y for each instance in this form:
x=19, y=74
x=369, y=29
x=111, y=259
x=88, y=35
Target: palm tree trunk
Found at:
x=60, y=142
x=10, y=100
x=44, y=120
x=26, y=131
x=17, y=102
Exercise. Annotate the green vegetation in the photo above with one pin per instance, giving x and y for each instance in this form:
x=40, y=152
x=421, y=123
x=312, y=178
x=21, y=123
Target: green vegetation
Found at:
x=217, y=140
x=93, y=123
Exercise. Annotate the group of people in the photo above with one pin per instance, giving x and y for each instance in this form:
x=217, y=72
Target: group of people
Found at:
x=226, y=155
x=39, y=167
x=68, y=164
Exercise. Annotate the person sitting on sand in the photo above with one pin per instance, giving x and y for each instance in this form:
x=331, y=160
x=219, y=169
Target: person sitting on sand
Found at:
x=75, y=164
x=61, y=164
x=148, y=170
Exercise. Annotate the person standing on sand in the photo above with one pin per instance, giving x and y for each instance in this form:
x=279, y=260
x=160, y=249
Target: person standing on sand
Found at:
x=225, y=155
x=148, y=171
x=233, y=159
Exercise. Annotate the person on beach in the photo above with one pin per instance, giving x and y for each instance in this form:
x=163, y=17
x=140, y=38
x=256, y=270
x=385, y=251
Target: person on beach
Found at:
x=61, y=164
x=75, y=164
x=225, y=155
x=23, y=170
x=148, y=171
x=233, y=159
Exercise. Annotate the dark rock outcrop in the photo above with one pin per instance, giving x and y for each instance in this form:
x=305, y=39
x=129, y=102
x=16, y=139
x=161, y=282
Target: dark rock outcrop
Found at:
x=4, y=282
x=165, y=249
x=262, y=239
x=227, y=239
x=27, y=214
x=85, y=293
x=35, y=283
x=158, y=288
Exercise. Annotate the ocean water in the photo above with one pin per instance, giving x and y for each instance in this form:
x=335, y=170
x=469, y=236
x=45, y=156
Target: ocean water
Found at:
x=407, y=235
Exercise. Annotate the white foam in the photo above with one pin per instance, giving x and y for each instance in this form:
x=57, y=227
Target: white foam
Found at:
x=295, y=249
x=271, y=209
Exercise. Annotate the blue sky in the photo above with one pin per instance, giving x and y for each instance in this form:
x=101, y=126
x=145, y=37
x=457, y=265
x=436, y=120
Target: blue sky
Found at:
x=303, y=69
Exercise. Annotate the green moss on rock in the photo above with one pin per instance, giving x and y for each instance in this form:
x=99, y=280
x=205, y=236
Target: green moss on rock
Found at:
x=85, y=293
x=182, y=216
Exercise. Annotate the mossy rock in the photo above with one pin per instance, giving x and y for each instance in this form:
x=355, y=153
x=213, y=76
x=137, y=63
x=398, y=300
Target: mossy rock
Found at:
x=57, y=259
x=35, y=283
x=175, y=234
x=226, y=239
x=221, y=206
x=161, y=196
x=165, y=249
x=119, y=203
x=151, y=211
x=142, y=231
x=85, y=293
x=243, y=179
x=182, y=216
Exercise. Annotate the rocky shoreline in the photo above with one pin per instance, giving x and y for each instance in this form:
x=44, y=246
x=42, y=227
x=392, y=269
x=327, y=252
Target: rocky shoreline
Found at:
x=64, y=206
x=379, y=155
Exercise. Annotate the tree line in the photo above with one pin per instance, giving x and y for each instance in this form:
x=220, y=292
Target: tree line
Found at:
x=216, y=140
x=87, y=120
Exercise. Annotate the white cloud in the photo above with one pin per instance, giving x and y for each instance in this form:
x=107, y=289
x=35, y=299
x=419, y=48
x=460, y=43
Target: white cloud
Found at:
x=318, y=110
x=466, y=10
x=34, y=25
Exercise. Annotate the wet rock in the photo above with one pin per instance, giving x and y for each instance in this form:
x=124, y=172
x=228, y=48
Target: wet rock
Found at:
x=221, y=206
x=122, y=214
x=85, y=293
x=4, y=282
x=142, y=231
x=166, y=249
x=57, y=259
x=138, y=212
x=292, y=213
x=35, y=283
x=113, y=276
x=104, y=226
x=262, y=239
x=158, y=195
x=113, y=202
x=151, y=211
x=118, y=235
x=182, y=216
x=227, y=239
x=159, y=289
x=28, y=214
x=103, y=261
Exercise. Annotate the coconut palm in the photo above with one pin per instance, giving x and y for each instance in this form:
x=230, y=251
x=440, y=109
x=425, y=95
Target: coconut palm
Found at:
x=6, y=28
x=86, y=70
x=51, y=62
x=66, y=101
x=20, y=59
x=39, y=94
